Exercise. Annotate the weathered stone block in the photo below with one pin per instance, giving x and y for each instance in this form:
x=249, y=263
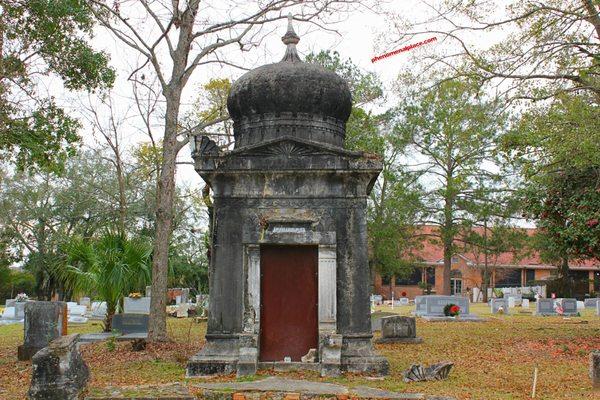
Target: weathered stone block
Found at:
x=595, y=368
x=43, y=323
x=248, y=361
x=58, y=371
x=398, y=329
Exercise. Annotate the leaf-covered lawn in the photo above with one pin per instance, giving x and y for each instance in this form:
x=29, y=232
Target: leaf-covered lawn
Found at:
x=493, y=360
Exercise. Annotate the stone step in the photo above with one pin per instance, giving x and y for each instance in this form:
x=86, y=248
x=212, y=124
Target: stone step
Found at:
x=275, y=388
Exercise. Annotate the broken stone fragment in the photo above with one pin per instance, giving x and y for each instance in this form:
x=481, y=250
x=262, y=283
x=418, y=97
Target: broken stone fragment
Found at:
x=435, y=372
x=58, y=371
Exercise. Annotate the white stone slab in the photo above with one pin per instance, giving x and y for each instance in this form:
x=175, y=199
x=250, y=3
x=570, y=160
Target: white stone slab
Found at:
x=8, y=313
x=525, y=303
x=77, y=310
x=136, y=306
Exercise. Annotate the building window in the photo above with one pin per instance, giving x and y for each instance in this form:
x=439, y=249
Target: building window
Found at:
x=456, y=286
x=386, y=280
x=529, y=277
x=413, y=279
x=454, y=260
x=508, y=278
x=430, y=276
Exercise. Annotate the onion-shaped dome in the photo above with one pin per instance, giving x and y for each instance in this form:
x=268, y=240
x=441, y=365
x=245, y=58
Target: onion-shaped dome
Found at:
x=290, y=98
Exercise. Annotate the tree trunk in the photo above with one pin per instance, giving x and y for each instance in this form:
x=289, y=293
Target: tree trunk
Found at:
x=157, y=325
x=446, y=271
x=110, y=312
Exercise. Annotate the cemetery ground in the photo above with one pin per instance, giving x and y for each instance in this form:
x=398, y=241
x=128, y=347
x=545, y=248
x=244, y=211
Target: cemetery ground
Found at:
x=493, y=359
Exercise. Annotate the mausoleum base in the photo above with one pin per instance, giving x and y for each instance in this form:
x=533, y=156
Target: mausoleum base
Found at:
x=222, y=357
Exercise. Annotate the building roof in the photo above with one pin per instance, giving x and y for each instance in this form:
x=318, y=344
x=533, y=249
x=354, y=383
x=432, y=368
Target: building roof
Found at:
x=432, y=253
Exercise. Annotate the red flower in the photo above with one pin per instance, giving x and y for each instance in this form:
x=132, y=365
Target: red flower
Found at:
x=403, y=294
x=454, y=309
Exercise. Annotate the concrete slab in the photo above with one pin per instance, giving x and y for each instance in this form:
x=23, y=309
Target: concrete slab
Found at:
x=462, y=318
x=305, y=389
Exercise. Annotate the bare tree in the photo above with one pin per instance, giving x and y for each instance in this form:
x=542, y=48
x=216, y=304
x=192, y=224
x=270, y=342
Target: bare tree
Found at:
x=537, y=49
x=174, y=38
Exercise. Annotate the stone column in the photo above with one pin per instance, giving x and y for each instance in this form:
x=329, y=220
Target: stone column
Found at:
x=354, y=310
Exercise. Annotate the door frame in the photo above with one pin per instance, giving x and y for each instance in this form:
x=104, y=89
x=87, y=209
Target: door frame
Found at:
x=326, y=275
x=316, y=282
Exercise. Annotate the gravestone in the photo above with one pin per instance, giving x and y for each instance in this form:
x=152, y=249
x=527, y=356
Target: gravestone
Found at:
x=525, y=303
x=376, y=318
x=517, y=299
x=434, y=305
x=148, y=291
x=580, y=305
x=136, y=306
x=495, y=305
x=10, y=303
x=43, y=323
x=130, y=323
x=8, y=313
x=177, y=299
x=99, y=310
x=598, y=308
x=399, y=329
x=376, y=298
x=545, y=307
x=511, y=302
x=569, y=306
x=404, y=301
x=420, y=305
x=20, y=309
x=85, y=301
x=595, y=368
x=77, y=310
x=185, y=295
x=590, y=303
x=58, y=371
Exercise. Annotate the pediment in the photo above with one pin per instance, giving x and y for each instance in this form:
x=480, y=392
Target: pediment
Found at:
x=291, y=147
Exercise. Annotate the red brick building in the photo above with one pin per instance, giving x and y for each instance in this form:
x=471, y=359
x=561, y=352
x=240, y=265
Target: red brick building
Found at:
x=467, y=271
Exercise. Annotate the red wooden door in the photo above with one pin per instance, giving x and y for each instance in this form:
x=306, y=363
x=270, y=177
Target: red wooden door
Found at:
x=289, y=296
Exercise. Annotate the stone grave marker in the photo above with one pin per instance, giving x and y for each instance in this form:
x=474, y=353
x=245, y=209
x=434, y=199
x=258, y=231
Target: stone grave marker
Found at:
x=130, y=323
x=58, y=371
x=136, y=306
x=525, y=303
x=10, y=303
x=148, y=291
x=399, y=329
x=589, y=303
x=495, y=305
x=595, y=368
x=580, y=305
x=178, y=299
x=511, y=302
x=544, y=307
x=43, y=323
x=85, y=301
x=77, y=310
x=404, y=301
x=569, y=306
x=8, y=313
x=420, y=305
x=99, y=310
x=20, y=309
x=517, y=299
x=185, y=295
x=434, y=305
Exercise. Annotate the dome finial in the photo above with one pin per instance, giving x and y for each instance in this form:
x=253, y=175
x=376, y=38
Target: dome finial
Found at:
x=290, y=39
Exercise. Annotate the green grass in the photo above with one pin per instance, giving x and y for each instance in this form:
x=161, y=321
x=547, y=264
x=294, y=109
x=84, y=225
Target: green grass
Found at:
x=493, y=359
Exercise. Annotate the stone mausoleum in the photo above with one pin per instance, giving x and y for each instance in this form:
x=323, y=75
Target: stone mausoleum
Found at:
x=288, y=270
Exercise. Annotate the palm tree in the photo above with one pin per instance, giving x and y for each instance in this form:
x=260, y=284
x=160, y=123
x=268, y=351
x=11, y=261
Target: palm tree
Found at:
x=109, y=267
